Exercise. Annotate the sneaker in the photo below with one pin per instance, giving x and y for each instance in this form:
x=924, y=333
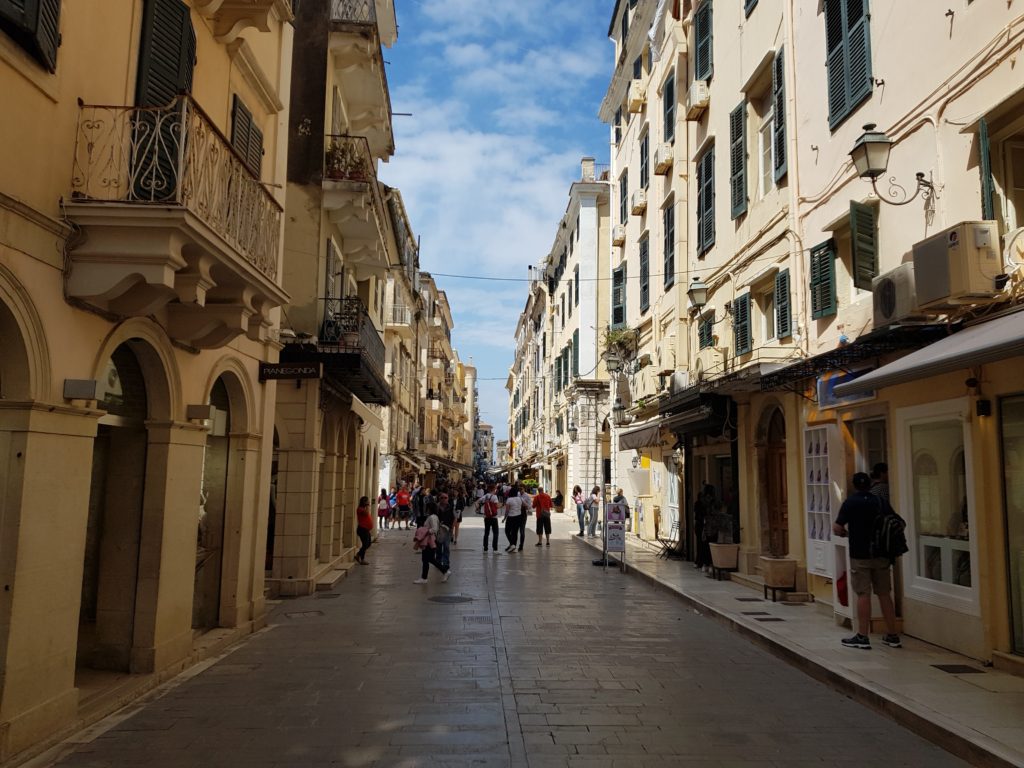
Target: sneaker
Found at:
x=893, y=641
x=538, y=544
x=419, y=581
x=446, y=574
x=509, y=548
x=857, y=641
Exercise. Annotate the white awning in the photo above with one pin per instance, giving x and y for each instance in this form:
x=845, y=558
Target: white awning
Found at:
x=986, y=342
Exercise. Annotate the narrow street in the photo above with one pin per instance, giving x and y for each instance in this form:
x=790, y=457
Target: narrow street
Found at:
x=529, y=659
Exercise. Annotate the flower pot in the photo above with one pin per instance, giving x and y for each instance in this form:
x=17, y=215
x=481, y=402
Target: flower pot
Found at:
x=778, y=571
x=725, y=556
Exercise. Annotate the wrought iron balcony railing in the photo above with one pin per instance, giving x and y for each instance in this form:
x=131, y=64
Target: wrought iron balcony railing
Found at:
x=348, y=329
x=348, y=158
x=176, y=156
x=354, y=11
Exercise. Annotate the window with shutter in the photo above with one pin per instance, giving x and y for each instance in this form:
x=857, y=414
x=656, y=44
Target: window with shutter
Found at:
x=823, y=279
x=703, y=65
x=241, y=124
x=988, y=187
x=576, y=352
x=706, y=201
x=705, y=332
x=35, y=26
x=738, y=159
x=645, y=274
x=618, y=125
x=644, y=160
x=669, y=228
x=743, y=338
x=619, y=297
x=668, y=107
x=623, y=197
x=558, y=374
x=863, y=244
x=167, y=53
x=783, y=305
x=848, y=56
x=748, y=6
x=576, y=280
x=779, y=162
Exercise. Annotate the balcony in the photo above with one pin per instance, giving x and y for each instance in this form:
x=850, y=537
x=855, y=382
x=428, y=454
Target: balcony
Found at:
x=174, y=222
x=352, y=198
x=358, y=29
x=351, y=350
x=399, y=319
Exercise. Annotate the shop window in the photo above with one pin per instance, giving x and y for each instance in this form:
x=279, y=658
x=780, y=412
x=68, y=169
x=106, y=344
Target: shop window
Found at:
x=1011, y=415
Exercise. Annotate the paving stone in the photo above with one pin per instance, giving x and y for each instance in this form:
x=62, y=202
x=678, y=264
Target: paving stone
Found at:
x=553, y=663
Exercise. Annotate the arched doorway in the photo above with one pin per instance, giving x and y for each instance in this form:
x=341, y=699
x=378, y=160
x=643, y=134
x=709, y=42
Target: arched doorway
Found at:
x=213, y=499
x=114, y=529
x=774, y=493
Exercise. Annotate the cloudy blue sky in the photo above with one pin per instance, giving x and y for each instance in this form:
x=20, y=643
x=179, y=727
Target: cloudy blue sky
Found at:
x=504, y=99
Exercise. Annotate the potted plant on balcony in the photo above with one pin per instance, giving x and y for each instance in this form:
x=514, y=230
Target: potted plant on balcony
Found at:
x=343, y=161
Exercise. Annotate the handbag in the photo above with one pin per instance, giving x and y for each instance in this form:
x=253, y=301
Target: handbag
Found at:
x=443, y=535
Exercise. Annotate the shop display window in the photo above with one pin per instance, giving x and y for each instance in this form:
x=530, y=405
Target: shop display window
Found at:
x=1011, y=427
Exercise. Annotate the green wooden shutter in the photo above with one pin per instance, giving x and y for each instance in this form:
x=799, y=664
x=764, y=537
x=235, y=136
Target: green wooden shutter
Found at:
x=669, y=229
x=783, y=305
x=706, y=201
x=34, y=25
x=246, y=138
x=743, y=338
x=748, y=6
x=703, y=60
x=781, y=164
x=167, y=53
x=668, y=107
x=576, y=280
x=835, y=61
x=576, y=352
x=645, y=151
x=988, y=187
x=619, y=297
x=863, y=244
x=645, y=274
x=858, y=37
x=738, y=159
x=823, y=280
x=558, y=374
x=705, y=332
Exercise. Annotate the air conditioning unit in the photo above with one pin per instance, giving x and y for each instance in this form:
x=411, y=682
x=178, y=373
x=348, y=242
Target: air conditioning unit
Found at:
x=894, y=297
x=639, y=201
x=663, y=159
x=680, y=380
x=697, y=99
x=636, y=97
x=618, y=235
x=958, y=266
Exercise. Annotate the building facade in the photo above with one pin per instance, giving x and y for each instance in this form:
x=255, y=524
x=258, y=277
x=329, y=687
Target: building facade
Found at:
x=483, y=449
x=140, y=279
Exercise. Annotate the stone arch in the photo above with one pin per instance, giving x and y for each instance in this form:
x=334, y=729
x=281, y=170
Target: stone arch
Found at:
x=239, y=387
x=153, y=349
x=25, y=372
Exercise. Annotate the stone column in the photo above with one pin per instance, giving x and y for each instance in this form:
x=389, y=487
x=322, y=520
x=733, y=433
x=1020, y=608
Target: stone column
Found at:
x=328, y=506
x=243, y=520
x=42, y=538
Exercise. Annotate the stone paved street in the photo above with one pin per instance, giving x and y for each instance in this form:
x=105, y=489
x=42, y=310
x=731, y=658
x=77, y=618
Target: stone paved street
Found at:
x=547, y=662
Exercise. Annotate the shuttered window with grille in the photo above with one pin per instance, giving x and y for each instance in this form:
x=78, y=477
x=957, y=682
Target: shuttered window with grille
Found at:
x=823, y=279
x=705, y=332
x=783, y=305
x=706, y=201
x=863, y=244
x=619, y=297
x=645, y=274
x=669, y=228
x=703, y=36
x=738, y=159
x=779, y=161
x=743, y=340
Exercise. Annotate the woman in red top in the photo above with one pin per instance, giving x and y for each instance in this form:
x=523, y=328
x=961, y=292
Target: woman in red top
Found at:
x=364, y=521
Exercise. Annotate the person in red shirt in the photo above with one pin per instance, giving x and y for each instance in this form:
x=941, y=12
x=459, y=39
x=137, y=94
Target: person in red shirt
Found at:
x=364, y=523
x=542, y=504
x=404, y=505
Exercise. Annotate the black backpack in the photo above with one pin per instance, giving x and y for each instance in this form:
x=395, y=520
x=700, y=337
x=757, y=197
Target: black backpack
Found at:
x=888, y=537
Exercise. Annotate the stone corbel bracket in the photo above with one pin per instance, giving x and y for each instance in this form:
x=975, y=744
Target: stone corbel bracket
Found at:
x=230, y=17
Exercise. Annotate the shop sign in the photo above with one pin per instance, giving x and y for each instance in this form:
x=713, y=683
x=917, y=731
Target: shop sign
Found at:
x=615, y=513
x=616, y=537
x=277, y=371
x=827, y=383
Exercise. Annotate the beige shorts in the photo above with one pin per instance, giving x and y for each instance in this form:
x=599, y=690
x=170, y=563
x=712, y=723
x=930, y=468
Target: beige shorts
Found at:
x=871, y=575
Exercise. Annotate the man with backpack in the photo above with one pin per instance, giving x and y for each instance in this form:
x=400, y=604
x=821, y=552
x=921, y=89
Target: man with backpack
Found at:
x=489, y=506
x=876, y=539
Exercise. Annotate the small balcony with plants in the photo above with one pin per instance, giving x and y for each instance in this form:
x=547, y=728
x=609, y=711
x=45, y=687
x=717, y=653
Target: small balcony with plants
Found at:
x=352, y=198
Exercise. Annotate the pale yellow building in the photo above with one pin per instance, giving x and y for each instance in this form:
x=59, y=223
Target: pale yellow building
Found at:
x=339, y=247
x=140, y=276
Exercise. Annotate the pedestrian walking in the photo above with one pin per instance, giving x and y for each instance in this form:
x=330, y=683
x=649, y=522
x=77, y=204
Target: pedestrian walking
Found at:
x=460, y=500
x=490, y=504
x=857, y=520
x=425, y=540
x=542, y=504
x=446, y=516
x=364, y=525
x=515, y=519
x=478, y=497
x=594, y=507
x=581, y=513
x=383, y=509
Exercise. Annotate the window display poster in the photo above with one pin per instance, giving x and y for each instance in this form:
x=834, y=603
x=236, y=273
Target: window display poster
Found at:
x=615, y=513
